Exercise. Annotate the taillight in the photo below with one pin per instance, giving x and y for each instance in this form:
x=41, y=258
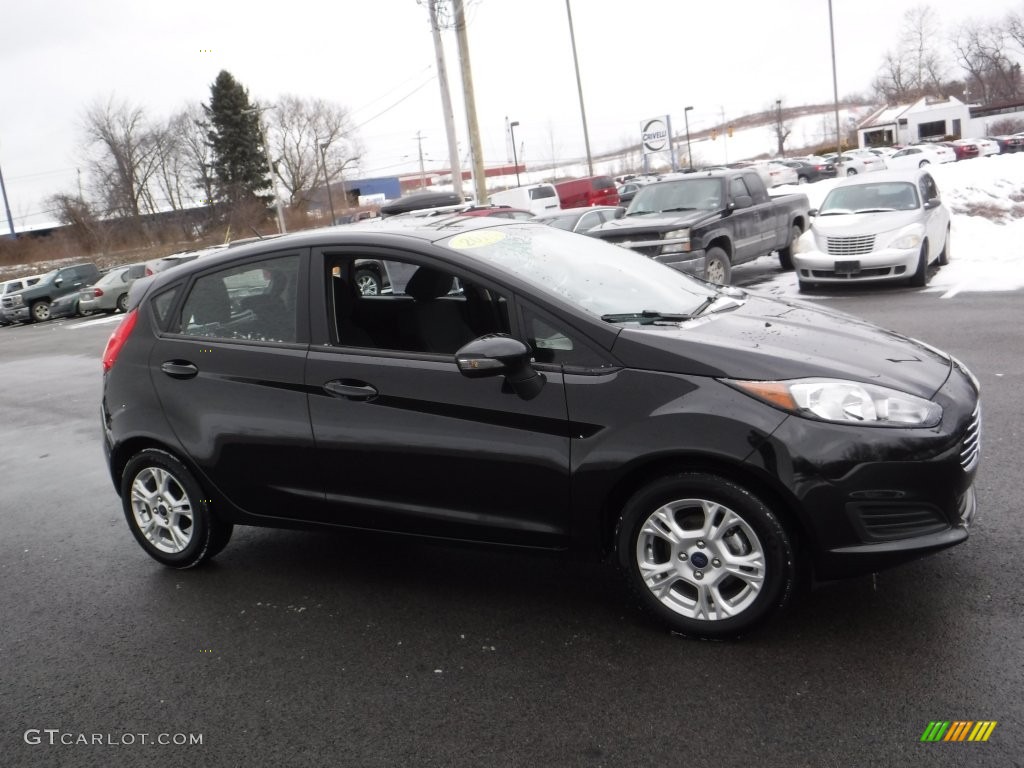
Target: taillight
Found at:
x=118, y=338
x=97, y=292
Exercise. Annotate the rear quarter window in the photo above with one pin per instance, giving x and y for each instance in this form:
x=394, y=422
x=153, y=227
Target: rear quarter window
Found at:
x=604, y=182
x=162, y=305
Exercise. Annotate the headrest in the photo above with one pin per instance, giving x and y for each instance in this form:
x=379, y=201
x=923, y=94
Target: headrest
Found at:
x=427, y=283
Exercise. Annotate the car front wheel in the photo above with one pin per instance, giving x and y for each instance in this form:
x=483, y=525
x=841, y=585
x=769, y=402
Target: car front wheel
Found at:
x=704, y=555
x=920, y=277
x=41, y=311
x=851, y=171
x=944, y=256
x=168, y=512
x=717, y=268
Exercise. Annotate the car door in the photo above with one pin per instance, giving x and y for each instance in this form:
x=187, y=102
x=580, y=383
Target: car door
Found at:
x=229, y=370
x=407, y=443
x=936, y=219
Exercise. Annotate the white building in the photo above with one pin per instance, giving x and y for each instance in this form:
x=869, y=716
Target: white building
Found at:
x=932, y=119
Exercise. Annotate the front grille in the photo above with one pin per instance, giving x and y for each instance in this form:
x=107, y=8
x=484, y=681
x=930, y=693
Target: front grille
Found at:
x=850, y=246
x=650, y=250
x=872, y=272
x=970, y=448
x=894, y=521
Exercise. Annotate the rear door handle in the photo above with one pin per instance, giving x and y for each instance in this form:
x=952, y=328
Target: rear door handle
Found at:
x=179, y=369
x=352, y=390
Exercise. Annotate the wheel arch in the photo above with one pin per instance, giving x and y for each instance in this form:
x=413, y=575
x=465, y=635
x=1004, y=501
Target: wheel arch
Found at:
x=774, y=496
x=722, y=241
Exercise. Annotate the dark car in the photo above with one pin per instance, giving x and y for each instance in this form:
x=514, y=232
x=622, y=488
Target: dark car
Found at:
x=1008, y=144
x=533, y=388
x=811, y=169
x=582, y=219
x=32, y=303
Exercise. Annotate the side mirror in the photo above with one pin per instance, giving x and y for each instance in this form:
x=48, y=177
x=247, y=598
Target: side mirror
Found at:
x=932, y=203
x=500, y=355
x=812, y=212
x=620, y=212
x=57, y=281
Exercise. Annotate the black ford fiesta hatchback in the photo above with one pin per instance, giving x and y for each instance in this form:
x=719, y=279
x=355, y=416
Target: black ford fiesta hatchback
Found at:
x=521, y=385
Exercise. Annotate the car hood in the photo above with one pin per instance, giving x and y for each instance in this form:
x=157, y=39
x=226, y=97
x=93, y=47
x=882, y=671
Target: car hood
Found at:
x=858, y=224
x=765, y=339
x=655, y=222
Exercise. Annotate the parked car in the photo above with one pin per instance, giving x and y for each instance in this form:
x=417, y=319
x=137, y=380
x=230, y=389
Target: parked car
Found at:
x=708, y=222
x=110, y=292
x=985, y=147
x=811, y=169
x=1008, y=144
x=69, y=305
x=775, y=173
x=627, y=191
x=539, y=389
x=582, y=220
x=537, y=198
x=850, y=165
x=590, y=190
x=920, y=156
x=964, y=150
x=497, y=211
x=11, y=286
x=873, y=229
x=155, y=266
x=32, y=303
x=872, y=161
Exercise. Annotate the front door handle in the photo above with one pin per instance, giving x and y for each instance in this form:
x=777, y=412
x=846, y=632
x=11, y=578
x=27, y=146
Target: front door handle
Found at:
x=353, y=390
x=179, y=369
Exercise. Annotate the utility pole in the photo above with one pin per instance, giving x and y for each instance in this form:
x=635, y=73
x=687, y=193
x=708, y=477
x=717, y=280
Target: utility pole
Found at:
x=835, y=86
x=579, y=88
x=479, y=175
x=7, y=207
x=725, y=149
x=327, y=181
x=423, y=172
x=446, y=100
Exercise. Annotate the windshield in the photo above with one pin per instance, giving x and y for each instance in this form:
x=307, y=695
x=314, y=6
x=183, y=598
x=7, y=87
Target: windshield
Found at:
x=684, y=195
x=882, y=196
x=562, y=222
x=592, y=275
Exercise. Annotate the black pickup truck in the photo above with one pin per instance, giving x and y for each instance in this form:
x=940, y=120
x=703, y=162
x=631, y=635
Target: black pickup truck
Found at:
x=707, y=222
x=32, y=304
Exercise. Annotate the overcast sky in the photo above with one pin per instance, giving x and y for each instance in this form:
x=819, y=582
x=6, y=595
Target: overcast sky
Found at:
x=638, y=59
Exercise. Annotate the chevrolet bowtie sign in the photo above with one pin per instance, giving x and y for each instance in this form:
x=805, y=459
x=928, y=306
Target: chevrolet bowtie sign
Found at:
x=654, y=135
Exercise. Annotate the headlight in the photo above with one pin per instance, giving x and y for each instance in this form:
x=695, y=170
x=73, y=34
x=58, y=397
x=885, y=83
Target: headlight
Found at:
x=844, y=402
x=683, y=235
x=907, y=240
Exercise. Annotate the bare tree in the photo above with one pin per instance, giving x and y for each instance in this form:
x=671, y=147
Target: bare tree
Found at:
x=983, y=53
x=125, y=156
x=86, y=226
x=916, y=68
x=191, y=128
x=303, y=133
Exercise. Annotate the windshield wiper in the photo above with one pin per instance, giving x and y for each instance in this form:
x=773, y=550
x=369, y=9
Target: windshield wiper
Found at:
x=675, y=210
x=650, y=316
x=874, y=210
x=835, y=212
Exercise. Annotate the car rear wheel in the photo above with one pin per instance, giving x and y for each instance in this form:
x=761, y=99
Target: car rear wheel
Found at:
x=802, y=180
x=851, y=171
x=122, y=302
x=920, y=277
x=943, y=259
x=368, y=282
x=717, y=268
x=923, y=163
x=40, y=311
x=168, y=512
x=705, y=555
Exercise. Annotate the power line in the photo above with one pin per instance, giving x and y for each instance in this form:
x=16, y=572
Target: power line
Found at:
x=388, y=109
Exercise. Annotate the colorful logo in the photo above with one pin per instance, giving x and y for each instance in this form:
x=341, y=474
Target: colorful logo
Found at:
x=958, y=730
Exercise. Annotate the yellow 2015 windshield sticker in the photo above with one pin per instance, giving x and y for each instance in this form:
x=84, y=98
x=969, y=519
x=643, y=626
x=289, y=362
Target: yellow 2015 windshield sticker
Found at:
x=475, y=239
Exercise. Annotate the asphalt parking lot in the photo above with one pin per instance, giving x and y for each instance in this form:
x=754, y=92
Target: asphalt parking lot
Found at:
x=306, y=649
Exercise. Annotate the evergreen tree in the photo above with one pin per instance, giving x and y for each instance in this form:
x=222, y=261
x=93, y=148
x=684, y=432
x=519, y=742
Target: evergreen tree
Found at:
x=239, y=164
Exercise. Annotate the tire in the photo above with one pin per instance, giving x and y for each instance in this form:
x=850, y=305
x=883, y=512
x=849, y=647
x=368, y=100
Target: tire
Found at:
x=40, y=311
x=717, y=268
x=805, y=286
x=924, y=163
x=786, y=254
x=122, y=302
x=704, y=555
x=943, y=259
x=368, y=282
x=168, y=512
x=851, y=171
x=802, y=180
x=920, y=277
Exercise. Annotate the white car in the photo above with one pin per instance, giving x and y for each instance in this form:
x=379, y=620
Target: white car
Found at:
x=773, y=173
x=920, y=156
x=851, y=165
x=883, y=227
x=872, y=161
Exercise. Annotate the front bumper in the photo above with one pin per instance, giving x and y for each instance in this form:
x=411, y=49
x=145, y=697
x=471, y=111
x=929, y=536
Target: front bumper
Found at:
x=16, y=315
x=886, y=264
x=869, y=498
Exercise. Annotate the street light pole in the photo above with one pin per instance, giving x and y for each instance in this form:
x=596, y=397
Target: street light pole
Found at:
x=778, y=123
x=327, y=181
x=686, y=119
x=835, y=85
x=579, y=88
x=515, y=157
